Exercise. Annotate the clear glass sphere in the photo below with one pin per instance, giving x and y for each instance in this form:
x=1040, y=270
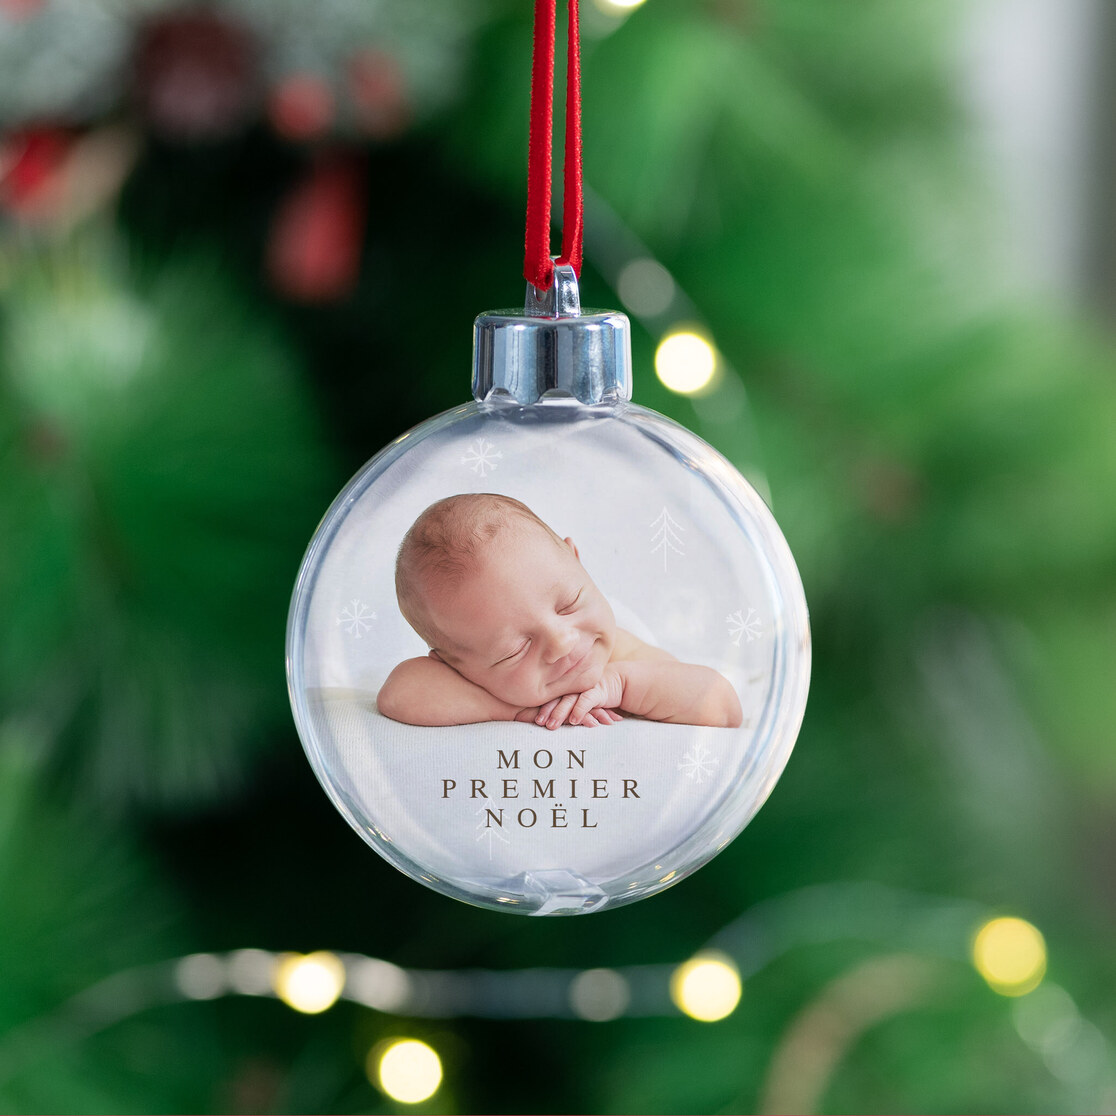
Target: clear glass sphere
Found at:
x=513, y=816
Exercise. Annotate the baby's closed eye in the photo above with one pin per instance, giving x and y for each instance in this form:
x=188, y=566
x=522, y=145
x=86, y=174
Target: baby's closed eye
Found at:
x=571, y=605
x=515, y=655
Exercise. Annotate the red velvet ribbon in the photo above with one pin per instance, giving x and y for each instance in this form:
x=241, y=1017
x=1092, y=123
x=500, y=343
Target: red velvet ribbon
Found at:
x=538, y=267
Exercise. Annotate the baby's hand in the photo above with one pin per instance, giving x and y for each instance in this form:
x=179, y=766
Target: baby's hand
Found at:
x=596, y=706
x=538, y=714
x=607, y=694
x=554, y=713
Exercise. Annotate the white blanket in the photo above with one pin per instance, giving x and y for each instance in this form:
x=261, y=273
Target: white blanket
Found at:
x=490, y=805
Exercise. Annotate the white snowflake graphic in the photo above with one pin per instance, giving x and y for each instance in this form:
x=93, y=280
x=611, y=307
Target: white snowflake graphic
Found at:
x=698, y=764
x=356, y=618
x=481, y=457
x=666, y=537
x=741, y=625
x=488, y=832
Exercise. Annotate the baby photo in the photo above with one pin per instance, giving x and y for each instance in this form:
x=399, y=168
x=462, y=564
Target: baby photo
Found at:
x=518, y=631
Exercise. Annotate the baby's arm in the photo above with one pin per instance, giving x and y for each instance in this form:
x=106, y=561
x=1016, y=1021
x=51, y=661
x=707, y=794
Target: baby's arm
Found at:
x=428, y=692
x=664, y=690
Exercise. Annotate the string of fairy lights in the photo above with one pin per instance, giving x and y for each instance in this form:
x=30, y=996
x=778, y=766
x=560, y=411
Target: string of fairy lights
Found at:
x=913, y=931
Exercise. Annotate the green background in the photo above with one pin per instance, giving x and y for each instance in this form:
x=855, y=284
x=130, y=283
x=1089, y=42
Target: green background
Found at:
x=177, y=409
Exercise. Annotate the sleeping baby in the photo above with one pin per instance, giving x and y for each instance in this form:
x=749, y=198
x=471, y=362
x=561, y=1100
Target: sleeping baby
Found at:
x=518, y=632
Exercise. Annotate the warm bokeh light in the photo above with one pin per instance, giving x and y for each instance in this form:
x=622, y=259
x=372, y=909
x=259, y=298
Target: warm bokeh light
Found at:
x=685, y=362
x=309, y=983
x=201, y=976
x=1010, y=954
x=645, y=287
x=599, y=995
x=407, y=1070
x=707, y=987
x=611, y=7
x=251, y=972
x=378, y=984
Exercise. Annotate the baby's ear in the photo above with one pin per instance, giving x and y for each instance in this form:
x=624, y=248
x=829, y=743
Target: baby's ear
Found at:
x=573, y=546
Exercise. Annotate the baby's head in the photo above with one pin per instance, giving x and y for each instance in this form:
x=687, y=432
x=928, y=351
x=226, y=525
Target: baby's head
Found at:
x=498, y=596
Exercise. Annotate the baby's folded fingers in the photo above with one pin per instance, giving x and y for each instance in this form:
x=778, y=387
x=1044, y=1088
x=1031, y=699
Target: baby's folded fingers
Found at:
x=584, y=704
x=607, y=716
x=561, y=711
x=545, y=710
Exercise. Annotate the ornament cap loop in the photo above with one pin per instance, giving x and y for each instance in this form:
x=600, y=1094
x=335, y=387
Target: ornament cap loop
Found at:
x=561, y=299
x=553, y=349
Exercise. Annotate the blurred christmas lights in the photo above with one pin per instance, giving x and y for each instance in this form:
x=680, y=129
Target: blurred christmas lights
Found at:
x=1011, y=956
x=707, y=987
x=646, y=287
x=310, y=983
x=200, y=976
x=251, y=972
x=1009, y=953
x=1049, y=1022
x=685, y=362
x=599, y=995
x=377, y=984
x=408, y=1070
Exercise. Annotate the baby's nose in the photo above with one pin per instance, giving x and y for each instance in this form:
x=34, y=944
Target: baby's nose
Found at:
x=562, y=642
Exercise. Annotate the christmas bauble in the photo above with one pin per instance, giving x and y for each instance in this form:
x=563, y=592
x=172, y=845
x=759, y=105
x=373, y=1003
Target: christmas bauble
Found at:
x=547, y=541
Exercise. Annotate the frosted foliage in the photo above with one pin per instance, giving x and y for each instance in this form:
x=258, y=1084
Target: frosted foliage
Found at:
x=69, y=59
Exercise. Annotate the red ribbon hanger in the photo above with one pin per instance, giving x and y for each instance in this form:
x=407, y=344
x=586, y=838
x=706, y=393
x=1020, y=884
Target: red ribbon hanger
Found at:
x=538, y=268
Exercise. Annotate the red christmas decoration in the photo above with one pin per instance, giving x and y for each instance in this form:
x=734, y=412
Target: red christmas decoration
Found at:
x=17, y=10
x=31, y=168
x=301, y=107
x=196, y=75
x=377, y=89
x=314, y=250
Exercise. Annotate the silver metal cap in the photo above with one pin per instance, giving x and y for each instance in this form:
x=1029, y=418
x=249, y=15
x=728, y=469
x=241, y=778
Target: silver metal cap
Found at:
x=553, y=349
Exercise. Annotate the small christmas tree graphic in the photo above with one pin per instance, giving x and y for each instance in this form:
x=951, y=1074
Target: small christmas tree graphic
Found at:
x=666, y=537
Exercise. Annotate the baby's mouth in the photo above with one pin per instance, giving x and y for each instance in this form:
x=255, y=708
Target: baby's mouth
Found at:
x=579, y=660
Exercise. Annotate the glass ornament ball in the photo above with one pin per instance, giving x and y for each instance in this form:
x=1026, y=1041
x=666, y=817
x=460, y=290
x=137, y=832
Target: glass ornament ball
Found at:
x=512, y=815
